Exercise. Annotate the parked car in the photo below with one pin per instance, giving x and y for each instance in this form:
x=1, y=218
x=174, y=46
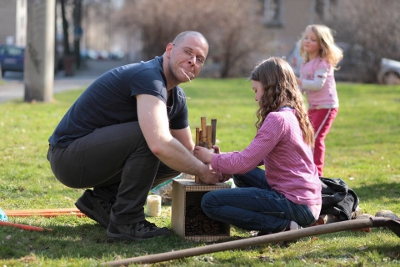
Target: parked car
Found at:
x=11, y=58
x=389, y=72
x=357, y=65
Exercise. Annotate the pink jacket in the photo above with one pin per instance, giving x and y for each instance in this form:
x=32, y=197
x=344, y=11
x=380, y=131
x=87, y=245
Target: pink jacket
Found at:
x=288, y=161
x=319, y=84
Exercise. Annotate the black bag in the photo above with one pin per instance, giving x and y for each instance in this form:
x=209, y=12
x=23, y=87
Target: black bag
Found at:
x=338, y=199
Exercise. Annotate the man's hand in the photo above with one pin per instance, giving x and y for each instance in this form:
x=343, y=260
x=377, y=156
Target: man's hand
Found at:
x=211, y=176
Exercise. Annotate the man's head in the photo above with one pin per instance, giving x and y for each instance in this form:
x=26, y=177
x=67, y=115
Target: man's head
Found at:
x=184, y=57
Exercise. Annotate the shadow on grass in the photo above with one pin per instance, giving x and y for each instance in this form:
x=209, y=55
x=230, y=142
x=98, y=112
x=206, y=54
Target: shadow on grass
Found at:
x=85, y=240
x=88, y=241
x=81, y=241
x=383, y=193
x=351, y=257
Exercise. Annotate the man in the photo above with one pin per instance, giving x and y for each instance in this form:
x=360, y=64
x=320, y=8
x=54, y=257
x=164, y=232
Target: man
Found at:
x=127, y=132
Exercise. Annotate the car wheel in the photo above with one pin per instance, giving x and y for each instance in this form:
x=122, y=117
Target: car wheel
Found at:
x=391, y=78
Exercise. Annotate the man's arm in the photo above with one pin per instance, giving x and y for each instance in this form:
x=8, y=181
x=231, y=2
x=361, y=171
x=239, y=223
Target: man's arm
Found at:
x=153, y=121
x=185, y=137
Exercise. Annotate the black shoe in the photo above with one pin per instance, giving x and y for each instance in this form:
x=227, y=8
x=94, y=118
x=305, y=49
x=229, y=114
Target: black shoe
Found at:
x=261, y=233
x=139, y=231
x=95, y=207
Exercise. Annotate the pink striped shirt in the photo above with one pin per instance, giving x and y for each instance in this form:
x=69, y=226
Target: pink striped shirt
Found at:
x=288, y=161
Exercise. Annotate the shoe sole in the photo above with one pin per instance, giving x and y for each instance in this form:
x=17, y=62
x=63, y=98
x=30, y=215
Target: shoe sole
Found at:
x=132, y=238
x=90, y=214
x=125, y=237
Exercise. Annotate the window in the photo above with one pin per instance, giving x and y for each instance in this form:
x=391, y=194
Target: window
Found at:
x=320, y=9
x=273, y=13
x=14, y=51
x=326, y=9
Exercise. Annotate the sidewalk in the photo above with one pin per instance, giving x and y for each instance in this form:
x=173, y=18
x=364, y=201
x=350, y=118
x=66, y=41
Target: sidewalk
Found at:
x=13, y=86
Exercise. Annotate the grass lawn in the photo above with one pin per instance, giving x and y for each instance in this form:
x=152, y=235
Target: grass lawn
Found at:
x=362, y=149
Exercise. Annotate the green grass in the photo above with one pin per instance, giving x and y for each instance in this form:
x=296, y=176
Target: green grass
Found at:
x=362, y=149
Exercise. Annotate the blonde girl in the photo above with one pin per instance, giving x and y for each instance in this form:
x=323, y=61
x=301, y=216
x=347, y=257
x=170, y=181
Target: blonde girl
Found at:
x=321, y=56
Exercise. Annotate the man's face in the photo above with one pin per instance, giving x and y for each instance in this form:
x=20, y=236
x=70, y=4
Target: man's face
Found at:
x=187, y=57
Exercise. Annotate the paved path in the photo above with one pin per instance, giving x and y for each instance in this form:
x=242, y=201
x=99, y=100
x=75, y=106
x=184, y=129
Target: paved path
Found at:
x=13, y=86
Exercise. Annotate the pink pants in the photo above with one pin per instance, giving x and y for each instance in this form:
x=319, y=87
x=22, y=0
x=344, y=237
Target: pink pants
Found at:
x=322, y=120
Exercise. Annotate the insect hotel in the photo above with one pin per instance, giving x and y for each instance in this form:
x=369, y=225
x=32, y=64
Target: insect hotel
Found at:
x=188, y=219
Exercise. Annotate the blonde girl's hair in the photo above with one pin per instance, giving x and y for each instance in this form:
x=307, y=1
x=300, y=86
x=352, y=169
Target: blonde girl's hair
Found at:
x=280, y=89
x=329, y=50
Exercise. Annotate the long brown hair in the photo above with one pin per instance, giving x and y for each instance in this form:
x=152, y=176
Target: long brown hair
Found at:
x=280, y=89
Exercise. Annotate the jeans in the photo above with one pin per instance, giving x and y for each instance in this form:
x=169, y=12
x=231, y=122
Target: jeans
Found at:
x=254, y=205
x=115, y=161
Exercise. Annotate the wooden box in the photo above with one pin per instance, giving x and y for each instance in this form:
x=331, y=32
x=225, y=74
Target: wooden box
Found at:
x=188, y=220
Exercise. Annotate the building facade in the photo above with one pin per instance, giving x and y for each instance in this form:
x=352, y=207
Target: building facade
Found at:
x=287, y=19
x=13, y=19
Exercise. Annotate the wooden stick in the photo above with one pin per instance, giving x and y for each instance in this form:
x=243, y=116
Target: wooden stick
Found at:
x=213, y=131
x=44, y=212
x=197, y=136
x=25, y=226
x=261, y=240
x=47, y=215
x=209, y=142
x=203, y=129
x=202, y=139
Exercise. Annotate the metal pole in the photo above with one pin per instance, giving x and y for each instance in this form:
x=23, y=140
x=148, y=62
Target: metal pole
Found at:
x=39, y=52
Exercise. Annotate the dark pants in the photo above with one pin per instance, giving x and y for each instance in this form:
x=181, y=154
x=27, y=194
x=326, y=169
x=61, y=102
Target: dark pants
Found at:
x=117, y=163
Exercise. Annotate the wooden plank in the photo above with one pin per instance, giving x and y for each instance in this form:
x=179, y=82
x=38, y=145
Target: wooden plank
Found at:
x=44, y=212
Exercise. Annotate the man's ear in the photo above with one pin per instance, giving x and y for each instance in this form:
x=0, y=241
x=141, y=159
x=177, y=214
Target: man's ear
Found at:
x=168, y=49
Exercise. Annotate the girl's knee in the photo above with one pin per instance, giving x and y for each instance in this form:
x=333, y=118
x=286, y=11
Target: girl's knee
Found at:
x=207, y=201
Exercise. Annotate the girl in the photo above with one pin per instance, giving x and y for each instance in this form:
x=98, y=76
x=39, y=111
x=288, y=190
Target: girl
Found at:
x=321, y=57
x=288, y=193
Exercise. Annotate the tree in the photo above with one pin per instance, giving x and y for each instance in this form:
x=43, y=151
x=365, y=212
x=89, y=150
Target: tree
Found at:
x=374, y=25
x=77, y=31
x=68, y=56
x=233, y=28
x=65, y=26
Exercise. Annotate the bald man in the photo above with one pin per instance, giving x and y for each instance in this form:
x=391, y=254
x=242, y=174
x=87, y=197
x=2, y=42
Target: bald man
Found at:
x=129, y=132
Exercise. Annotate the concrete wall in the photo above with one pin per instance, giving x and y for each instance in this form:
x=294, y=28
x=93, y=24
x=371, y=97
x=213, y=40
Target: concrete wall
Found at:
x=7, y=20
x=21, y=22
x=296, y=15
x=13, y=19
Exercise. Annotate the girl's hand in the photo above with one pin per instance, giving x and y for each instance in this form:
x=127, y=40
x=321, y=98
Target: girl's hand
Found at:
x=203, y=154
x=216, y=149
x=226, y=177
x=298, y=81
